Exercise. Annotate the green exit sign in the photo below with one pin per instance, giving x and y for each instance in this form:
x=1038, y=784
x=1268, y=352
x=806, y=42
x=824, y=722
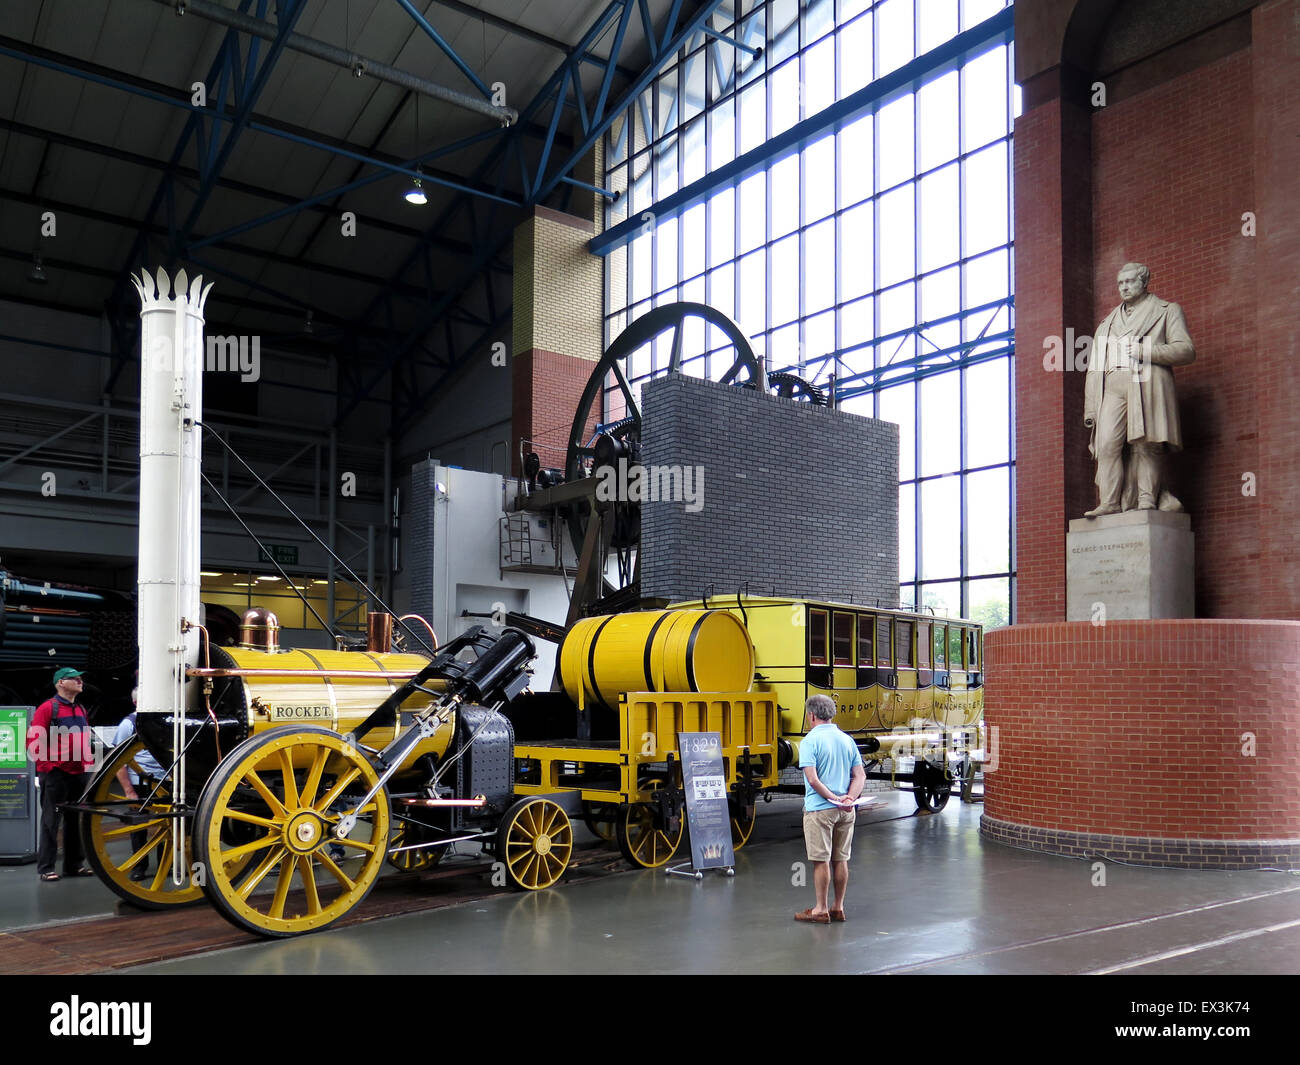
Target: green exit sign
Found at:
x=284, y=554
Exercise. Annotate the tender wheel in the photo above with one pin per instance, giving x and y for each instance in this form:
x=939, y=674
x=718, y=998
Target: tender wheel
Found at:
x=931, y=787
x=742, y=827
x=118, y=850
x=273, y=803
x=408, y=833
x=534, y=842
x=599, y=817
x=641, y=841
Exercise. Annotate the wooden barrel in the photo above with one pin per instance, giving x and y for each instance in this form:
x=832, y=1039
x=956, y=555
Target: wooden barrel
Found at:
x=656, y=651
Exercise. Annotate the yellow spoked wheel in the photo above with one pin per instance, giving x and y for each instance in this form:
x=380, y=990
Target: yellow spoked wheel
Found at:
x=641, y=841
x=120, y=851
x=742, y=827
x=273, y=804
x=534, y=842
x=407, y=834
x=599, y=817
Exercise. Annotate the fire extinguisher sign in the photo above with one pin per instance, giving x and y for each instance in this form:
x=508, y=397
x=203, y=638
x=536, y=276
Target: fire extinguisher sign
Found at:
x=708, y=817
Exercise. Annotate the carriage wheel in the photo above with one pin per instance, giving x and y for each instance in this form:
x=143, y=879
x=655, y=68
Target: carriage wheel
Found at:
x=534, y=842
x=641, y=841
x=599, y=817
x=931, y=787
x=274, y=803
x=405, y=834
x=742, y=827
x=113, y=853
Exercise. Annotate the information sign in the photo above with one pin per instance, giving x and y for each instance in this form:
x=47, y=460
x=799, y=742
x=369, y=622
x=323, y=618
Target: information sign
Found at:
x=708, y=816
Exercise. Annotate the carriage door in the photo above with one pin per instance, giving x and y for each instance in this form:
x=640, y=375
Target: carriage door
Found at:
x=843, y=640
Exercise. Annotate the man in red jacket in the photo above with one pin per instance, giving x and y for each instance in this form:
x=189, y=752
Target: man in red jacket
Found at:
x=59, y=739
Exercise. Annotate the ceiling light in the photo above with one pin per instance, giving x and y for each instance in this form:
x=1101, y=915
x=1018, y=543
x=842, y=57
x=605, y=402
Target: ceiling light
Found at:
x=37, y=273
x=268, y=578
x=208, y=573
x=415, y=194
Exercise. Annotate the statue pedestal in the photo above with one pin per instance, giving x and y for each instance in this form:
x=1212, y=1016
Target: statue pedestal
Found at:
x=1137, y=564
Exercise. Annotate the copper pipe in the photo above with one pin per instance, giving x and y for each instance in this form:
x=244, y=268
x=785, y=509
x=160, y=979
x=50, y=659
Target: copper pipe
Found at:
x=432, y=635
x=207, y=685
x=359, y=674
x=379, y=632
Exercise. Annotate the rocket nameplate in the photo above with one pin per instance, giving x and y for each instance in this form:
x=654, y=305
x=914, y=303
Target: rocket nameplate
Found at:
x=313, y=712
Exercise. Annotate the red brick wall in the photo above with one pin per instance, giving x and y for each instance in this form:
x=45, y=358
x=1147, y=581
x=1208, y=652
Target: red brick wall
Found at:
x=1173, y=173
x=546, y=389
x=1135, y=728
x=1275, y=65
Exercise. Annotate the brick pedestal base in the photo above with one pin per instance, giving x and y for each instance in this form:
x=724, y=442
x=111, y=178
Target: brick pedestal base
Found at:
x=1152, y=742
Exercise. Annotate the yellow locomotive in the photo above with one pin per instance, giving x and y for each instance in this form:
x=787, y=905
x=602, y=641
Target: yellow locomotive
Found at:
x=302, y=771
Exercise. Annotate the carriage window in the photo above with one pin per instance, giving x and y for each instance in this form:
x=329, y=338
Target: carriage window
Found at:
x=923, y=646
x=954, y=647
x=903, y=642
x=973, y=648
x=883, y=657
x=940, y=646
x=817, y=637
x=843, y=639
x=865, y=629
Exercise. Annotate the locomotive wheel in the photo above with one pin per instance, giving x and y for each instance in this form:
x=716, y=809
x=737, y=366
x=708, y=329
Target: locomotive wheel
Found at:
x=931, y=787
x=534, y=842
x=294, y=785
x=110, y=850
x=599, y=817
x=742, y=827
x=642, y=842
x=404, y=835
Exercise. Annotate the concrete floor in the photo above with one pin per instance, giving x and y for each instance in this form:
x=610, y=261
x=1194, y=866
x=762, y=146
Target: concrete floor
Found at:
x=927, y=896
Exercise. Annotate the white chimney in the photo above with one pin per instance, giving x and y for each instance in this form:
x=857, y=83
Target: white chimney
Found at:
x=171, y=400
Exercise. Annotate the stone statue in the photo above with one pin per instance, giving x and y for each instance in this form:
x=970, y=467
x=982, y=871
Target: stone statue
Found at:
x=1128, y=396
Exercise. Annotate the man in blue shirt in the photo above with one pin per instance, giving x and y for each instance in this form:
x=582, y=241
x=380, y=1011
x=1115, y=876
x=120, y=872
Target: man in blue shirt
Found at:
x=833, y=780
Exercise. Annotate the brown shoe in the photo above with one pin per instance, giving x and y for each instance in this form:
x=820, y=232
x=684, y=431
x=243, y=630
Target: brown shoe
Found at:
x=838, y=915
x=813, y=918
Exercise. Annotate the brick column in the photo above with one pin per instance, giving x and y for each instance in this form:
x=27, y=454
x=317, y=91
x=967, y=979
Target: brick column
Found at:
x=1275, y=58
x=1052, y=174
x=558, y=328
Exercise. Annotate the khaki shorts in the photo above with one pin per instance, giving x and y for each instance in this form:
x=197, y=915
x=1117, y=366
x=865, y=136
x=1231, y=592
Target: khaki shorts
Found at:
x=829, y=834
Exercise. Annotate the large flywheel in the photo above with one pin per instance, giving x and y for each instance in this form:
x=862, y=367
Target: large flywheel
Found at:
x=620, y=439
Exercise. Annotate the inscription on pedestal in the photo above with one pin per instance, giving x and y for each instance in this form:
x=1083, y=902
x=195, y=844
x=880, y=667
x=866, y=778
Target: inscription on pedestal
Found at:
x=1137, y=564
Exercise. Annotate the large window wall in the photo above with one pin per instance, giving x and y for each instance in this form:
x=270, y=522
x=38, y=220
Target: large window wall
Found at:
x=876, y=254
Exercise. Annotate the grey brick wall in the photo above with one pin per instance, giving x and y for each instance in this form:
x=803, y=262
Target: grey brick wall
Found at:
x=419, y=538
x=798, y=499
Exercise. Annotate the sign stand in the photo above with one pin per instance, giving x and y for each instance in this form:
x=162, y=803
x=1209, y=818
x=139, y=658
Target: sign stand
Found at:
x=708, y=817
x=20, y=812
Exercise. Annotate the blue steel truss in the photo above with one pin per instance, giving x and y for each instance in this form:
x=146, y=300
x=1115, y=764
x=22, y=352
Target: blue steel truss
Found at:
x=239, y=74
